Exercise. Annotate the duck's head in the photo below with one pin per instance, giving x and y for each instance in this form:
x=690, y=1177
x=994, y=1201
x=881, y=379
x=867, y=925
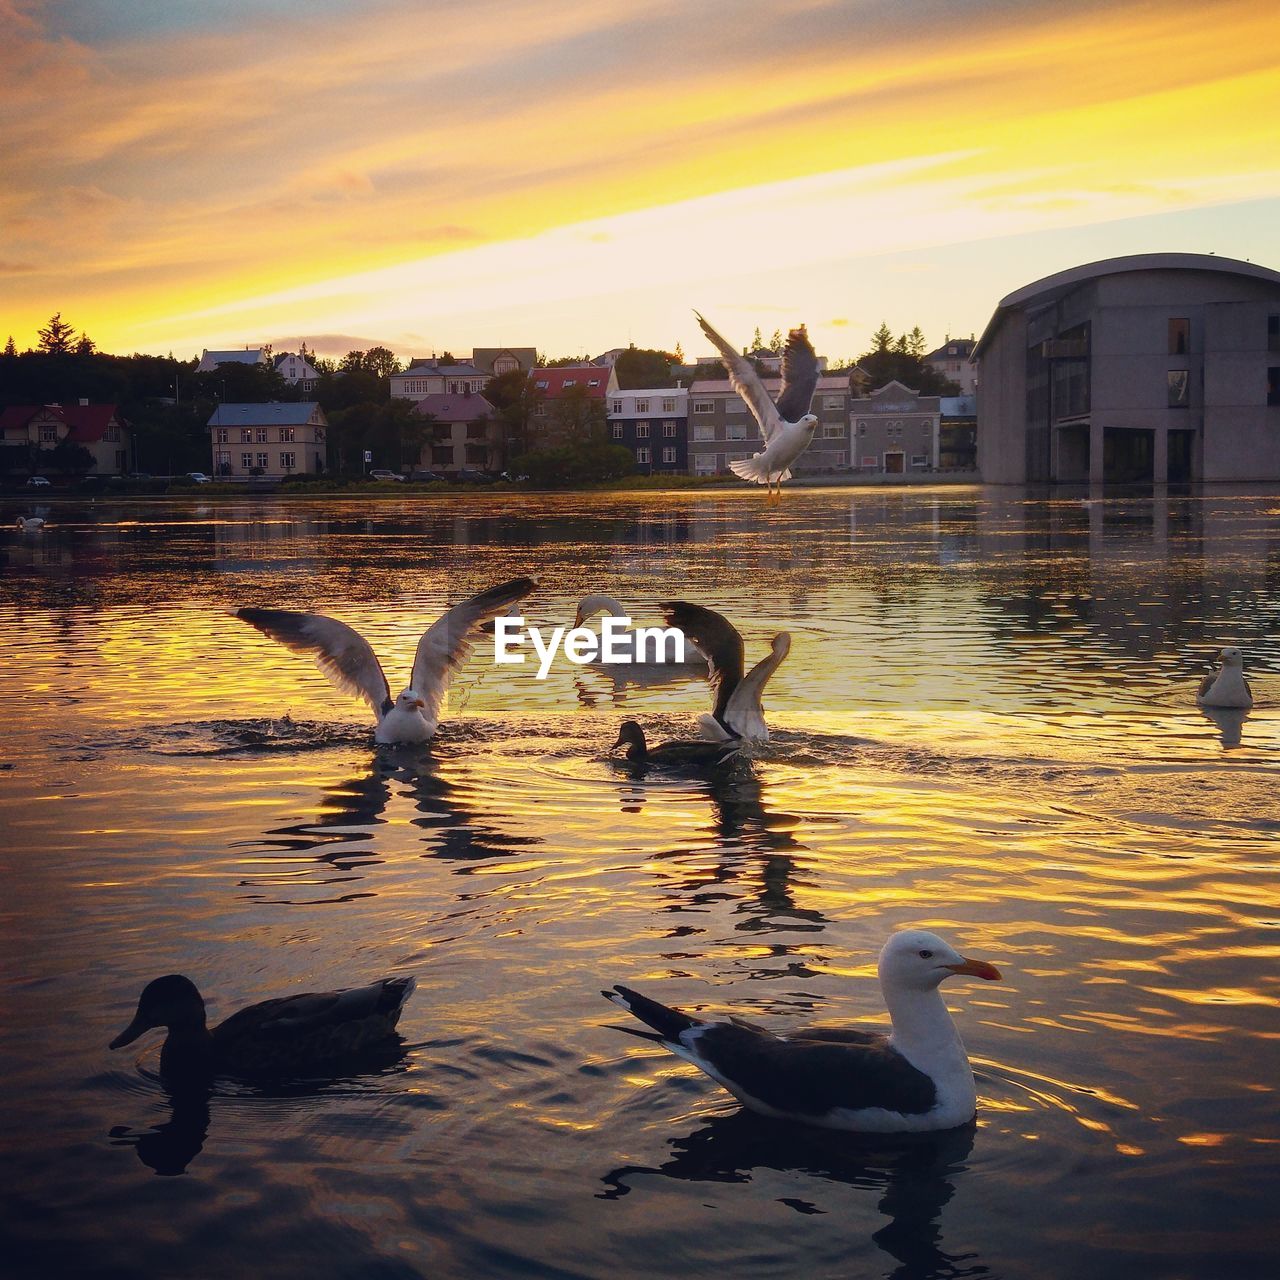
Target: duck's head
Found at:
x=410, y=700
x=631, y=736
x=171, y=1001
x=917, y=960
x=1231, y=657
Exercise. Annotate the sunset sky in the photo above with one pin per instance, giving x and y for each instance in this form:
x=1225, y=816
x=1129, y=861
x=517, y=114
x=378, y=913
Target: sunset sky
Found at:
x=577, y=176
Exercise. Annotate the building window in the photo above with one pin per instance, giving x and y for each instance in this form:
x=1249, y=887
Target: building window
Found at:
x=261, y=435
x=1179, y=335
x=246, y=436
x=48, y=435
x=617, y=406
x=870, y=460
x=288, y=461
x=642, y=406
x=246, y=460
x=642, y=454
x=837, y=459
x=593, y=382
x=1179, y=388
x=617, y=431
x=319, y=434
x=919, y=459
x=669, y=405
x=223, y=459
x=925, y=428
x=862, y=428
x=111, y=433
x=735, y=431
x=286, y=435
x=704, y=406
x=220, y=435
x=541, y=384
x=669, y=429
x=668, y=455
x=569, y=382
x=833, y=430
x=1273, y=385
x=704, y=431
x=264, y=460
x=642, y=430
x=705, y=465
x=833, y=402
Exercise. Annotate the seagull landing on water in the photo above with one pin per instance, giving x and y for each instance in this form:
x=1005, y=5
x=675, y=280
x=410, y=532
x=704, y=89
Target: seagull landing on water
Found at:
x=345, y=656
x=787, y=426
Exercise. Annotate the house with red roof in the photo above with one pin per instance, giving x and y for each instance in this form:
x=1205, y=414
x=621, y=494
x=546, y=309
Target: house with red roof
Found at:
x=567, y=393
x=95, y=427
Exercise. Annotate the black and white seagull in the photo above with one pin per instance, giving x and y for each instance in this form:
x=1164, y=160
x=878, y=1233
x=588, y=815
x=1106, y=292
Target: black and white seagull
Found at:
x=787, y=426
x=736, y=711
x=914, y=1080
x=346, y=657
x=1227, y=686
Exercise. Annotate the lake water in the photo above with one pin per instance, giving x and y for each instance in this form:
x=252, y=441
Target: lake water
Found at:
x=986, y=727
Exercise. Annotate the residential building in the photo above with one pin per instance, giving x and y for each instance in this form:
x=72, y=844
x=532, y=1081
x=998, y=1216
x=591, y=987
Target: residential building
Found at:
x=1154, y=367
x=465, y=433
x=958, y=433
x=722, y=428
x=297, y=371
x=564, y=383
x=954, y=360
x=271, y=440
x=654, y=424
x=495, y=361
x=431, y=378
x=95, y=427
x=895, y=430
x=210, y=360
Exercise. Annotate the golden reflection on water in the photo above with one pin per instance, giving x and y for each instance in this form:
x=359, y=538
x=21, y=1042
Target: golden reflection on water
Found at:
x=986, y=726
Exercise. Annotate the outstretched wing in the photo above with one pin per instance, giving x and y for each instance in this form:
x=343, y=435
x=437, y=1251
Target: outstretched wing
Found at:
x=745, y=381
x=743, y=712
x=341, y=653
x=717, y=639
x=799, y=376
x=447, y=644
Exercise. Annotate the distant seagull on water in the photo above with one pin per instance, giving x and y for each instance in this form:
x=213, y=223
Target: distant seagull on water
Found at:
x=787, y=426
x=345, y=656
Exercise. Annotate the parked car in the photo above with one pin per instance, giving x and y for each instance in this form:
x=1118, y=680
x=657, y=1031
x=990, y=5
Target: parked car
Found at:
x=382, y=474
x=467, y=475
x=38, y=482
x=199, y=477
x=425, y=477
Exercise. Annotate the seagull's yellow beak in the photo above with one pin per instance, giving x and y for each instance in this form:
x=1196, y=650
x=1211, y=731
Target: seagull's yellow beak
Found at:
x=419, y=703
x=976, y=969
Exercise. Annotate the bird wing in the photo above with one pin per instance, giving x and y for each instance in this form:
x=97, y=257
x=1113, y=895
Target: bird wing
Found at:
x=799, y=376
x=746, y=382
x=743, y=712
x=717, y=639
x=447, y=644
x=1206, y=684
x=342, y=653
x=313, y=1011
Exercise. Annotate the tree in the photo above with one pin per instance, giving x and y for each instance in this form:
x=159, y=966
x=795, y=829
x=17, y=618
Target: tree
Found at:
x=901, y=359
x=577, y=415
x=776, y=343
x=55, y=337
x=85, y=345
x=9, y=348
x=574, y=464
x=640, y=367
x=515, y=402
x=381, y=362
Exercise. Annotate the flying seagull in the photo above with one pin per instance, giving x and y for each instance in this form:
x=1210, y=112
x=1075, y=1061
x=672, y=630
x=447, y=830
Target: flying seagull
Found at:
x=787, y=426
x=345, y=657
x=915, y=1080
x=735, y=710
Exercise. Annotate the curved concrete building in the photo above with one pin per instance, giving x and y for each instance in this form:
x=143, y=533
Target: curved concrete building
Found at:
x=1158, y=366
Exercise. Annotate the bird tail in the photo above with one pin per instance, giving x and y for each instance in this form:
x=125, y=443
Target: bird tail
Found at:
x=669, y=1023
x=756, y=469
x=394, y=993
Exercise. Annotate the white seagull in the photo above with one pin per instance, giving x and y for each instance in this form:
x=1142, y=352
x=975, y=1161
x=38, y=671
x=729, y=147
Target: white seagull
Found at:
x=1227, y=686
x=787, y=426
x=345, y=656
x=626, y=642
x=29, y=524
x=914, y=1080
x=736, y=711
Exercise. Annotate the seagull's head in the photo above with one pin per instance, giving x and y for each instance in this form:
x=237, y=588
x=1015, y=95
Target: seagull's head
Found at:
x=410, y=700
x=1231, y=657
x=917, y=960
x=809, y=422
